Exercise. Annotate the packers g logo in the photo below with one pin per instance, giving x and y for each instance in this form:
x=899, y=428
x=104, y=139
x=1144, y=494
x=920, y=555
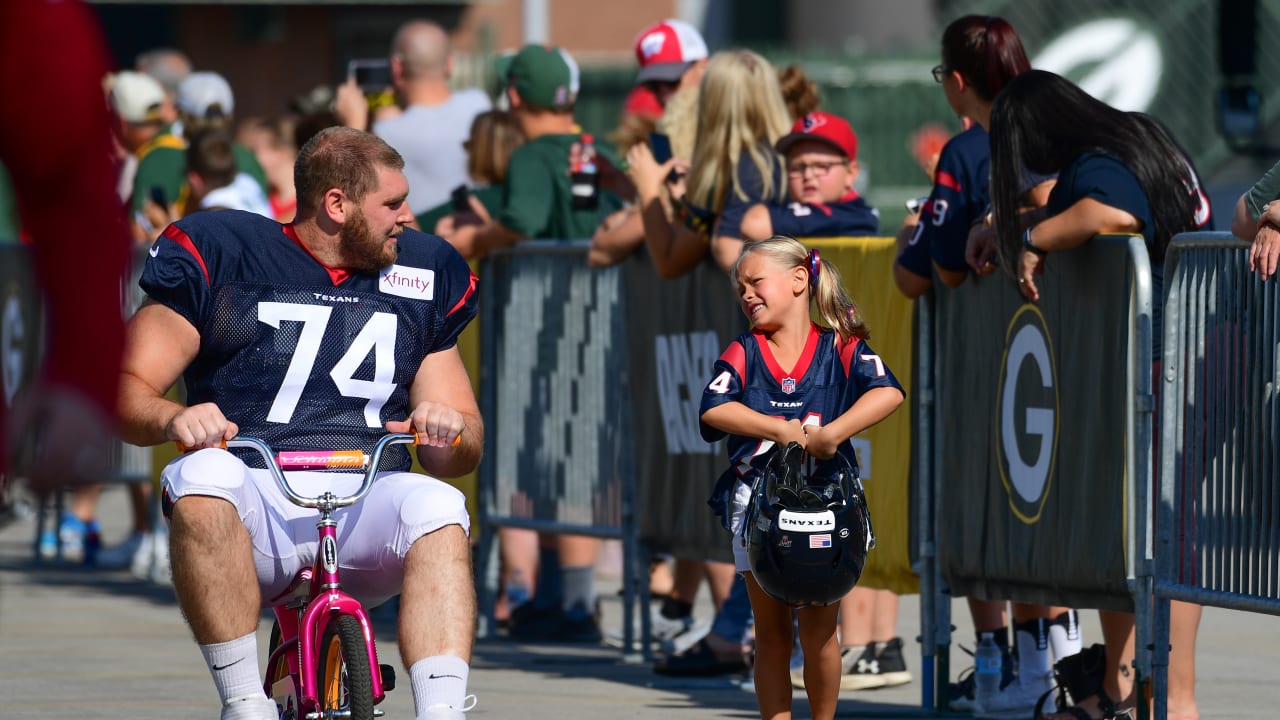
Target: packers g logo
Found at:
x=1027, y=396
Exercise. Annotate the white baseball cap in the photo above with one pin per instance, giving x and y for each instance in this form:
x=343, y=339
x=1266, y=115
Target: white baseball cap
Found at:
x=205, y=95
x=666, y=49
x=137, y=97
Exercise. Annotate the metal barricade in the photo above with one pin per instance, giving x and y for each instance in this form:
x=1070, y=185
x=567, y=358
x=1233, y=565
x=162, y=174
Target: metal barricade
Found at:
x=1218, y=517
x=558, y=427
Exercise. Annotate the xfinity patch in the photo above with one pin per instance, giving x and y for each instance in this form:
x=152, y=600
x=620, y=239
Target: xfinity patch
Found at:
x=806, y=521
x=410, y=282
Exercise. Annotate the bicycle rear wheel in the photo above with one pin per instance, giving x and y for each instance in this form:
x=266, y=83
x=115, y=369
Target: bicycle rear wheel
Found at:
x=344, y=681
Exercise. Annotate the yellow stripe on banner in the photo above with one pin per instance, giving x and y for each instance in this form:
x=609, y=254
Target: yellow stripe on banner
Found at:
x=866, y=268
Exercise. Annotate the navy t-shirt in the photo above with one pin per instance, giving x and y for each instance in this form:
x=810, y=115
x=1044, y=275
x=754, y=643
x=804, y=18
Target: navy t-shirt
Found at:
x=959, y=198
x=752, y=183
x=850, y=216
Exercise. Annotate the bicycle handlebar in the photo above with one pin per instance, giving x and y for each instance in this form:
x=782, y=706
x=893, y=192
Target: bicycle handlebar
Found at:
x=277, y=463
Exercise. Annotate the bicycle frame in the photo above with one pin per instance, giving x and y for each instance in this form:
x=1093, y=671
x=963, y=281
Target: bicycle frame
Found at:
x=303, y=618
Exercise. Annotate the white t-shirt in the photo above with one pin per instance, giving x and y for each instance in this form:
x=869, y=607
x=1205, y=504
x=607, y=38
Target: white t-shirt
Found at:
x=244, y=193
x=430, y=139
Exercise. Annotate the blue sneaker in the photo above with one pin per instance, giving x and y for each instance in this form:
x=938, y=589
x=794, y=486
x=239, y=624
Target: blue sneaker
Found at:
x=78, y=539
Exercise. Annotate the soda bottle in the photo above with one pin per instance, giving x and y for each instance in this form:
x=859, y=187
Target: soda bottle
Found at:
x=584, y=177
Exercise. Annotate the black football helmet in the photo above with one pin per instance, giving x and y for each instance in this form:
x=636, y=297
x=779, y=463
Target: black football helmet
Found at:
x=807, y=539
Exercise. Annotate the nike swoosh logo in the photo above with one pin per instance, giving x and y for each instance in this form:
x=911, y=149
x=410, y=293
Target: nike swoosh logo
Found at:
x=437, y=677
x=154, y=251
x=224, y=667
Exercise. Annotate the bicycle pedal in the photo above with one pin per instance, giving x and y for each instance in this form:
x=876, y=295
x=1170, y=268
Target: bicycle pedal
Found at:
x=388, y=674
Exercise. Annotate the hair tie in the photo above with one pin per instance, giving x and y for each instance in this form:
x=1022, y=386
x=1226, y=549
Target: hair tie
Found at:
x=815, y=268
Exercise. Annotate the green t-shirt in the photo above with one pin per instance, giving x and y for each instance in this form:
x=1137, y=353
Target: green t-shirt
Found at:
x=165, y=166
x=537, y=198
x=490, y=196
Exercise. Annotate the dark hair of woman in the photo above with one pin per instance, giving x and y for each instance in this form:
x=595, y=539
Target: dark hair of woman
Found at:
x=1041, y=122
x=985, y=50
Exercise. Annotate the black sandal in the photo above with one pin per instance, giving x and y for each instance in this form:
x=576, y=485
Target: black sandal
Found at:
x=1079, y=677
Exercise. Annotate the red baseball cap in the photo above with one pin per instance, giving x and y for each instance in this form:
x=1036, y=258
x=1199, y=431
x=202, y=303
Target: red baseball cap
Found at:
x=642, y=101
x=665, y=50
x=822, y=127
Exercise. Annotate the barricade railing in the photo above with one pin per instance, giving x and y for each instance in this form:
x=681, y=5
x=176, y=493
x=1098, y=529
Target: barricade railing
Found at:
x=557, y=427
x=1217, y=519
x=1029, y=440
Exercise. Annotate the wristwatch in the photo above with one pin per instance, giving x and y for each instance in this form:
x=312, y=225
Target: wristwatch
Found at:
x=1026, y=244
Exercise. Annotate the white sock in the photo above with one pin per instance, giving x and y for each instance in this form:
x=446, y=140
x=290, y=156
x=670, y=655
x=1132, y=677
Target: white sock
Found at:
x=439, y=680
x=234, y=666
x=1032, y=638
x=1064, y=635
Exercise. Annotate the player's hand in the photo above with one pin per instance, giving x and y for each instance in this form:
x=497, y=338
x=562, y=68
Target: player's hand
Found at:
x=1265, y=253
x=980, y=249
x=822, y=442
x=437, y=423
x=790, y=431
x=58, y=438
x=201, y=426
x=1029, y=265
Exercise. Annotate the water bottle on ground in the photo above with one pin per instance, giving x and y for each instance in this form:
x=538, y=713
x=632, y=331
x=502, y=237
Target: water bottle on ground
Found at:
x=986, y=670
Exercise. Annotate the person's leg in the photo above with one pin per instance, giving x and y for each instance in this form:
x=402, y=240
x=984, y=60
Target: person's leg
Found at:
x=661, y=577
x=518, y=549
x=215, y=573
x=872, y=654
x=1117, y=681
x=822, y=659
x=721, y=577
x=1065, y=639
x=437, y=618
x=1184, y=624
x=578, y=557
x=774, y=633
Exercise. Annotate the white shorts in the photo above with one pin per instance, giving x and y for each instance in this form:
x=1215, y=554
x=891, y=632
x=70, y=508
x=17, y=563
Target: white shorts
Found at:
x=373, y=536
x=741, y=499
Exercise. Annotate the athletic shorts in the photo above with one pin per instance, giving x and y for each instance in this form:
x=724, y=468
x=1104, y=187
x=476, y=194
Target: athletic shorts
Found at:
x=741, y=499
x=374, y=535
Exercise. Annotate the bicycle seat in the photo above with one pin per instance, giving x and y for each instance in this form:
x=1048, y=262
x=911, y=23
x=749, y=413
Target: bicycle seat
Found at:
x=297, y=592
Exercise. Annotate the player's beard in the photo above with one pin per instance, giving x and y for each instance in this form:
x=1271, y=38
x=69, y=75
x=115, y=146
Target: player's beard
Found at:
x=365, y=250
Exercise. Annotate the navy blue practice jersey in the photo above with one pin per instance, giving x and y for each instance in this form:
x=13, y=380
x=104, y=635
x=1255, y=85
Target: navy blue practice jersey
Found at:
x=826, y=381
x=958, y=199
x=298, y=354
x=851, y=216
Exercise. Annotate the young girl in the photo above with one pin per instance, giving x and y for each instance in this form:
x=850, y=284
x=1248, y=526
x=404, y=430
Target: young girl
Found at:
x=790, y=380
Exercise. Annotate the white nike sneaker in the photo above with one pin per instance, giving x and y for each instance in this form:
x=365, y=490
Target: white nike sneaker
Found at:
x=448, y=712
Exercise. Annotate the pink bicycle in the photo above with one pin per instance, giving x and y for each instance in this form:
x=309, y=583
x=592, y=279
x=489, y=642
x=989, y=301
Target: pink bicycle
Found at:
x=322, y=659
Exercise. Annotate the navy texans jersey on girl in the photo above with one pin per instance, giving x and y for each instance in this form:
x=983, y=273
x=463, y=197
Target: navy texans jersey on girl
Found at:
x=299, y=354
x=827, y=380
x=959, y=198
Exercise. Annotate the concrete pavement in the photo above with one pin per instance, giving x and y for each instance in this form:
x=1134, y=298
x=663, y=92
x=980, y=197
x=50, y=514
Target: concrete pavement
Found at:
x=76, y=642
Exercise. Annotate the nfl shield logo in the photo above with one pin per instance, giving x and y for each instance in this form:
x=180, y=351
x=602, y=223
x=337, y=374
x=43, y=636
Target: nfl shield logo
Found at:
x=788, y=385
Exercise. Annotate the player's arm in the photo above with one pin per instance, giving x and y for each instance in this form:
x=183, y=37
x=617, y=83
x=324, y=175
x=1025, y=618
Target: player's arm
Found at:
x=159, y=345
x=738, y=419
x=445, y=408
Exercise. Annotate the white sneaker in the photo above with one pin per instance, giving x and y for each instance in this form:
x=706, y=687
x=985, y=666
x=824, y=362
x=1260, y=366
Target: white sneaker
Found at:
x=121, y=556
x=151, y=562
x=448, y=712
x=258, y=708
x=1015, y=701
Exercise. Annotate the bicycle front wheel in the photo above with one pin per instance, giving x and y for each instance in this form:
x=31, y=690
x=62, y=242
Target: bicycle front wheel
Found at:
x=344, y=681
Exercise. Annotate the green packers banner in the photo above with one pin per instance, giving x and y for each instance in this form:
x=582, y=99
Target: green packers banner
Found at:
x=1032, y=432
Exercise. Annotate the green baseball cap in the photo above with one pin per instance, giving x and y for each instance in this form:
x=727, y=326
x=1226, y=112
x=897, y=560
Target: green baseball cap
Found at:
x=543, y=75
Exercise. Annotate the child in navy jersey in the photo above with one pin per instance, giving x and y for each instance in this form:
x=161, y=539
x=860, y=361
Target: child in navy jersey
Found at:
x=790, y=380
x=822, y=164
